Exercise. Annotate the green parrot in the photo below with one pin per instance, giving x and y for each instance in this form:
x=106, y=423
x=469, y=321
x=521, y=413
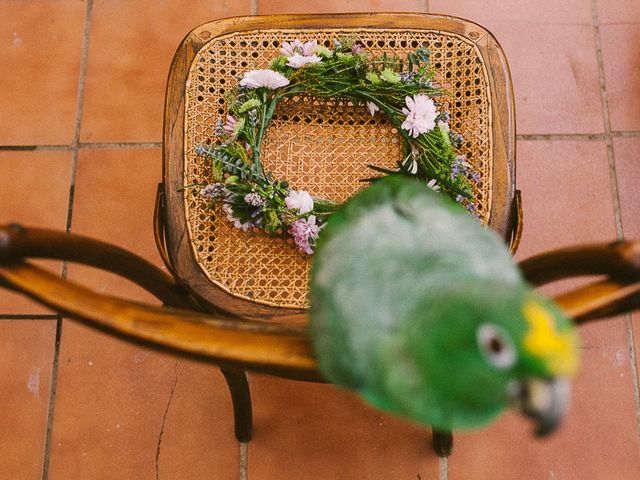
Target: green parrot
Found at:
x=420, y=309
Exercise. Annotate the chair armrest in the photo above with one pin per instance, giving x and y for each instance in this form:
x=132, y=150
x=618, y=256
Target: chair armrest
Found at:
x=276, y=349
x=600, y=300
x=620, y=260
x=618, y=293
x=18, y=242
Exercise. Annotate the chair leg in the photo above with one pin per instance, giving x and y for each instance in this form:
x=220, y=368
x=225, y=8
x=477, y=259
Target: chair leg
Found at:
x=241, y=399
x=442, y=442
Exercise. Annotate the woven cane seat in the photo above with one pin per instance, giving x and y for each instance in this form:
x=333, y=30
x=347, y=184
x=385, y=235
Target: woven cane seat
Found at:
x=322, y=147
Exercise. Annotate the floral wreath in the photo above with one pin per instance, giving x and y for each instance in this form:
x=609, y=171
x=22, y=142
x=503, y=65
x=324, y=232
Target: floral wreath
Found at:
x=403, y=90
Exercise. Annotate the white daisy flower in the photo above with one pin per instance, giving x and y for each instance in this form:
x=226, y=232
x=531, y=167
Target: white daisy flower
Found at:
x=421, y=115
x=264, y=78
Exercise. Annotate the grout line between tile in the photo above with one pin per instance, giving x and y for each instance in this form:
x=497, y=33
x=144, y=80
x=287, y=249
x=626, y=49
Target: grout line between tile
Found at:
x=633, y=360
x=606, y=119
x=425, y=6
x=589, y=137
x=84, y=53
x=84, y=57
x=116, y=145
x=243, y=473
x=254, y=7
x=625, y=134
x=52, y=399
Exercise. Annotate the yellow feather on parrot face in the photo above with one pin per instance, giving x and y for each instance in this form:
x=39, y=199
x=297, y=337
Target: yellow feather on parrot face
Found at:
x=555, y=348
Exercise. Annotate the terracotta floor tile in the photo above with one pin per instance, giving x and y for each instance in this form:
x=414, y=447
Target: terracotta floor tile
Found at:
x=198, y=441
x=621, y=58
x=627, y=152
x=566, y=194
x=313, y=431
x=26, y=354
x=131, y=48
x=124, y=411
x=554, y=70
x=530, y=11
x=35, y=192
x=114, y=201
x=618, y=11
x=597, y=440
x=40, y=53
x=266, y=7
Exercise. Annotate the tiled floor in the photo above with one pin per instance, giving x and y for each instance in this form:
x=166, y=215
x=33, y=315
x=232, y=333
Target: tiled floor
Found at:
x=80, y=117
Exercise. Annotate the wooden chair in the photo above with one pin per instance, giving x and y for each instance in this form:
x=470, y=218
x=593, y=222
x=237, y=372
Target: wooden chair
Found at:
x=239, y=299
x=321, y=147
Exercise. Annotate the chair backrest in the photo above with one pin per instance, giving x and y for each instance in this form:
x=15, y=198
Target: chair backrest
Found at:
x=321, y=147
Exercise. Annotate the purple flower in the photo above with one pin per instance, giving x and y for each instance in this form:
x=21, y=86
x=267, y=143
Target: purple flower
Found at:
x=456, y=139
x=407, y=76
x=457, y=167
x=214, y=191
x=474, y=175
x=254, y=199
x=356, y=48
x=305, y=233
x=471, y=208
x=230, y=125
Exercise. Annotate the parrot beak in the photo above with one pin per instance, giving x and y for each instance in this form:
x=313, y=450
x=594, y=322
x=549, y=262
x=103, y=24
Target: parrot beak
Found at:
x=545, y=401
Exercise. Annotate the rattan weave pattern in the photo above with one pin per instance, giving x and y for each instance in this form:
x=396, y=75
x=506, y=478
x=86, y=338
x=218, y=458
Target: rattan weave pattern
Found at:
x=320, y=147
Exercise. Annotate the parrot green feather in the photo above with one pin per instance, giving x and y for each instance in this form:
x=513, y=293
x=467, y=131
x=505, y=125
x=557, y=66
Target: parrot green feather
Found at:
x=421, y=310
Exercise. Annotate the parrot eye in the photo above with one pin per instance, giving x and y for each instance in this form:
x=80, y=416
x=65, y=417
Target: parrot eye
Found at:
x=496, y=346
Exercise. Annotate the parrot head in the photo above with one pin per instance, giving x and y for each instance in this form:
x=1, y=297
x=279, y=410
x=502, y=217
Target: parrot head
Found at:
x=514, y=348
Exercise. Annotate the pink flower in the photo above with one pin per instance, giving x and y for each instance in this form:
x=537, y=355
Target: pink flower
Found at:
x=373, y=108
x=230, y=125
x=298, y=61
x=291, y=48
x=299, y=200
x=300, y=54
x=304, y=233
x=421, y=115
x=356, y=48
x=264, y=78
